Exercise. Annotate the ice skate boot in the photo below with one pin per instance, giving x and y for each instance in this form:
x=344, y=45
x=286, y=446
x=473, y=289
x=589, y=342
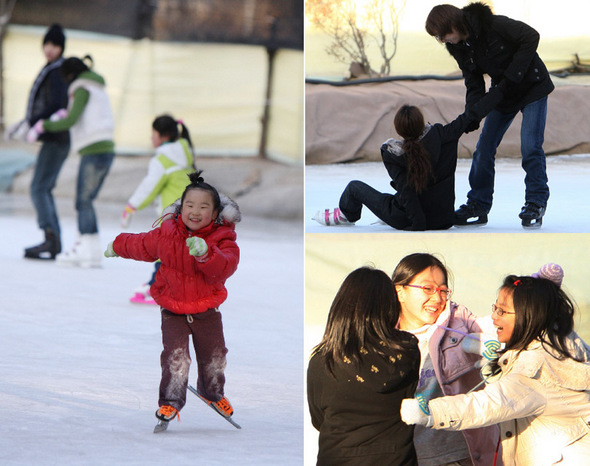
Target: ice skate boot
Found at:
x=85, y=253
x=141, y=295
x=222, y=406
x=331, y=218
x=531, y=215
x=165, y=414
x=471, y=210
x=47, y=250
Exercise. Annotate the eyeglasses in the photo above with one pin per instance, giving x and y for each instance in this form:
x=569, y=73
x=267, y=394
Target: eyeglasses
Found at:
x=445, y=293
x=500, y=311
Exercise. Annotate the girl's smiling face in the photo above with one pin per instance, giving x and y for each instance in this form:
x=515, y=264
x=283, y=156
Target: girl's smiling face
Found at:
x=198, y=209
x=417, y=307
x=505, y=323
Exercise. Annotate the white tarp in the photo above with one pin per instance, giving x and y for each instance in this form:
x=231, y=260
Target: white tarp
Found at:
x=218, y=90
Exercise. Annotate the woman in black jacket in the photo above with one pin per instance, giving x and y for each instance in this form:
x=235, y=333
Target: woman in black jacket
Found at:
x=506, y=50
x=358, y=375
x=422, y=170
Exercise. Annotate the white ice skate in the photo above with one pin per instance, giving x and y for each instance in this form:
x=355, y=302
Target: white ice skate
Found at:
x=85, y=253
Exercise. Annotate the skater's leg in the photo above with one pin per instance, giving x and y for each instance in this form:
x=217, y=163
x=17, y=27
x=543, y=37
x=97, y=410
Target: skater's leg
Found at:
x=175, y=360
x=358, y=193
x=210, y=351
x=91, y=174
x=482, y=172
x=50, y=160
x=532, y=136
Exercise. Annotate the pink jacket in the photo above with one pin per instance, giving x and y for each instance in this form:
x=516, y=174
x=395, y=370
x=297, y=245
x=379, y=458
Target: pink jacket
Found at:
x=456, y=373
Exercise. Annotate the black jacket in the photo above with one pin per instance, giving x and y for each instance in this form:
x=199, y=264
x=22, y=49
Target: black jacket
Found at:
x=434, y=208
x=506, y=50
x=357, y=411
x=48, y=95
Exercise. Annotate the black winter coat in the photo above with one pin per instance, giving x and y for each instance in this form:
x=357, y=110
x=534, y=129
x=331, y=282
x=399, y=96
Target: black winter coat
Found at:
x=506, y=50
x=49, y=95
x=434, y=208
x=357, y=410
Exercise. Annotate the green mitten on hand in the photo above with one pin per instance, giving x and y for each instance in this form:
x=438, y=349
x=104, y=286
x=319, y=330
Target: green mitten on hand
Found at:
x=197, y=246
x=109, y=251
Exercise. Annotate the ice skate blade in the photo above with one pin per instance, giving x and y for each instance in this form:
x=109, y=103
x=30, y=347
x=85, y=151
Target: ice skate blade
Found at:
x=480, y=221
x=161, y=426
x=532, y=224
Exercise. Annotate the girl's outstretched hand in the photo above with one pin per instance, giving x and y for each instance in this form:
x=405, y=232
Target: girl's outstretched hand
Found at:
x=197, y=247
x=109, y=251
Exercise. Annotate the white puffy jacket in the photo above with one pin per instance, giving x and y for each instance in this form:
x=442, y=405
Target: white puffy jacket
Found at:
x=541, y=403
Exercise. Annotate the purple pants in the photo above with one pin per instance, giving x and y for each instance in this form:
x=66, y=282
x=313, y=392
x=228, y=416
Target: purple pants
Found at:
x=207, y=332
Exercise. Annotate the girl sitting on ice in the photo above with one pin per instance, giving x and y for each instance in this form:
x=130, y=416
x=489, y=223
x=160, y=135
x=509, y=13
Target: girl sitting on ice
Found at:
x=198, y=251
x=541, y=398
x=422, y=169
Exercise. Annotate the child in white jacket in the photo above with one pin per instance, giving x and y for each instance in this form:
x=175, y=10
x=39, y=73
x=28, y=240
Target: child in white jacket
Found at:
x=164, y=182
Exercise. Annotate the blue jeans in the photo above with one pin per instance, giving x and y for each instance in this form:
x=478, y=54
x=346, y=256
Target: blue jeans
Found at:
x=383, y=205
x=51, y=158
x=532, y=135
x=91, y=174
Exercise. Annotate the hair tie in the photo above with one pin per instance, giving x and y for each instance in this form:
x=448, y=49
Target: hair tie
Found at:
x=180, y=122
x=517, y=282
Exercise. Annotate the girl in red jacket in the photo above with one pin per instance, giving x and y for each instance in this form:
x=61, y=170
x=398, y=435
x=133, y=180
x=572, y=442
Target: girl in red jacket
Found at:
x=196, y=245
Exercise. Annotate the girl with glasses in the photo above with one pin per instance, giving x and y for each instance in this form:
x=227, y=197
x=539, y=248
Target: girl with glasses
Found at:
x=541, y=399
x=424, y=306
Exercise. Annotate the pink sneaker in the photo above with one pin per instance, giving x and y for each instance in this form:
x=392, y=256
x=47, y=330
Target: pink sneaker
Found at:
x=142, y=295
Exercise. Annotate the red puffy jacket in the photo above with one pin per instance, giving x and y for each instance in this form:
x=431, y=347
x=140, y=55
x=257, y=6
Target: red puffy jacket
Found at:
x=183, y=285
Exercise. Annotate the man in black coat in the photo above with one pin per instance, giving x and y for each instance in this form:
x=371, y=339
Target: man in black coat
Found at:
x=505, y=49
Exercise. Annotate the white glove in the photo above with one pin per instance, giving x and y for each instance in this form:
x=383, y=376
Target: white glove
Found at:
x=109, y=251
x=35, y=132
x=482, y=344
x=415, y=411
x=17, y=131
x=197, y=246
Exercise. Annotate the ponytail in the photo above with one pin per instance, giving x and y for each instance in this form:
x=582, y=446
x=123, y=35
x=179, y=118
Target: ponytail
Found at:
x=409, y=124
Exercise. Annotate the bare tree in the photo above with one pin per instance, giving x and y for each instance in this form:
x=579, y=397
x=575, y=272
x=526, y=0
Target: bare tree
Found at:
x=354, y=30
x=6, y=8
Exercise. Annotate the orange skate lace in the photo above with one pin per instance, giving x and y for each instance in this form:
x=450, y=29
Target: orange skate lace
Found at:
x=224, y=406
x=169, y=411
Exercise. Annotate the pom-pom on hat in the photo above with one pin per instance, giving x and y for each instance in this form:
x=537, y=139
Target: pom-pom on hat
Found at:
x=55, y=35
x=550, y=271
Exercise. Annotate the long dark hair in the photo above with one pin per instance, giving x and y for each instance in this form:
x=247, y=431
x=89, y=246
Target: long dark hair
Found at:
x=167, y=126
x=409, y=124
x=442, y=19
x=361, y=316
x=72, y=67
x=542, y=311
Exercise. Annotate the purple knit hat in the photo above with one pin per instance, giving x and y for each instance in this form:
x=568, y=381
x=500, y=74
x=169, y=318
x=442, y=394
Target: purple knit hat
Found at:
x=550, y=271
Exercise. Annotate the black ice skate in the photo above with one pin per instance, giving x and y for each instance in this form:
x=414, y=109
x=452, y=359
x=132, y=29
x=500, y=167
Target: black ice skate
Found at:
x=471, y=210
x=47, y=250
x=532, y=215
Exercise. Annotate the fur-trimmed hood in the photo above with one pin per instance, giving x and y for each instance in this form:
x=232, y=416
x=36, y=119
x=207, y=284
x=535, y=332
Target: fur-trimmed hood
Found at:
x=229, y=211
x=479, y=18
x=394, y=146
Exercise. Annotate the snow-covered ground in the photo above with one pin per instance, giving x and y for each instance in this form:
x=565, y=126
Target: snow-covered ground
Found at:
x=79, y=366
x=568, y=209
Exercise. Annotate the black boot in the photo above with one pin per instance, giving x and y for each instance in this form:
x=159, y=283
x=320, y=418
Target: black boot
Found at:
x=47, y=250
